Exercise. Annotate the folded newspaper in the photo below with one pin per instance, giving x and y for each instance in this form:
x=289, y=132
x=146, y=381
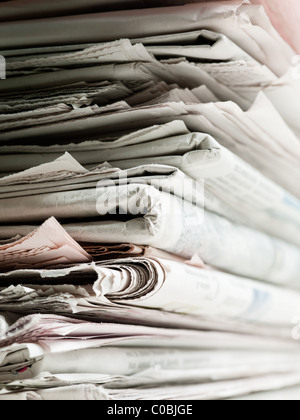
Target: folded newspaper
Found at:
x=151, y=281
x=149, y=199
x=232, y=187
x=149, y=212
x=58, y=342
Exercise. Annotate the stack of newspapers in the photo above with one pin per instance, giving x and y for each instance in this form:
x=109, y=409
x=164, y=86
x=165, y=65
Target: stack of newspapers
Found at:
x=149, y=199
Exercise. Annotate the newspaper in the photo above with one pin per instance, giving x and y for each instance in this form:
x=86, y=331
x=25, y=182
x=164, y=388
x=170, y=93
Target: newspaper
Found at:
x=283, y=21
x=48, y=246
x=63, y=168
x=18, y=11
x=57, y=334
x=80, y=301
x=117, y=385
x=225, y=78
x=148, y=282
x=33, y=8
x=232, y=188
x=159, y=209
x=247, y=26
x=139, y=372
x=76, y=96
x=233, y=128
x=221, y=390
x=239, y=80
x=25, y=366
x=150, y=220
x=127, y=72
x=203, y=45
x=58, y=113
x=149, y=200
x=115, y=52
x=145, y=68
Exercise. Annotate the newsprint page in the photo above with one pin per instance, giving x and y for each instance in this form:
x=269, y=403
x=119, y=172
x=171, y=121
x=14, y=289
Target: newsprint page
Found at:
x=149, y=203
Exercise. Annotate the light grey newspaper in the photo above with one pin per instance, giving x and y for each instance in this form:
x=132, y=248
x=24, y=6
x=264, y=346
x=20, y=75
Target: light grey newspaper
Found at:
x=57, y=113
x=148, y=282
x=148, y=368
x=216, y=391
x=224, y=75
x=150, y=209
x=16, y=10
x=115, y=52
x=82, y=302
x=219, y=391
x=50, y=245
x=76, y=96
x=247, y=26
x=26, y=366
x=229, y=72
x=62, y=291
x=127, y=72
x=56, y=334
x=150, y=213
x=232, y=187
x=201, y=45
x=33, y=345
x=225, y=121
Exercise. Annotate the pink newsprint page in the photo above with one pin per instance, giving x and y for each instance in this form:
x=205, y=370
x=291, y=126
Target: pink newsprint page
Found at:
x=285, y=16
